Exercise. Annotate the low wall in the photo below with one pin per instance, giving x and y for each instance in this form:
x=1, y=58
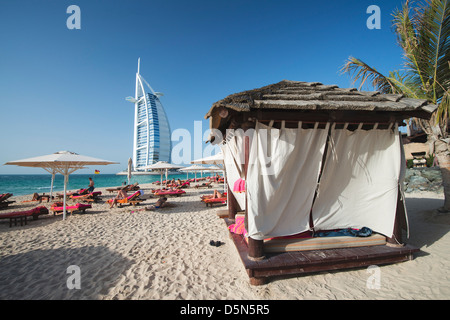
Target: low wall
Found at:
x=423, y=179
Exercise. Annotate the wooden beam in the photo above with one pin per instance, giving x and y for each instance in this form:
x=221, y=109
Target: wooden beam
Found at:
x=400, y=216
x=232, y=204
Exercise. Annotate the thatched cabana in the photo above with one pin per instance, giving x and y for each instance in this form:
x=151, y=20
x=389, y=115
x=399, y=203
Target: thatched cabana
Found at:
x=328, y=151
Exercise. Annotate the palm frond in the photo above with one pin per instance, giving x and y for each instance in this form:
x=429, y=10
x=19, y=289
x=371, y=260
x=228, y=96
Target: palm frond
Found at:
x=404, y=24
x=362, y=72
x=433, y=25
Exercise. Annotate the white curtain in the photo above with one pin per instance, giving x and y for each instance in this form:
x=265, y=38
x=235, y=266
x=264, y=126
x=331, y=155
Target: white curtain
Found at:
x=284, y=166
x=360, y=181
x=233, y=154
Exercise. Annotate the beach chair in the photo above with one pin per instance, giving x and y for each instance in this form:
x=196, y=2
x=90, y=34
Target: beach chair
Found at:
x=39, y=198
x=134, y=187
x=204, y=185
x=111, y=190
x=211, y=196
x=176, y=193
x=132, y=200
x=130, y=187
x=210, y=202
x=23, y=215
x=3, y=200
x=5, y=196
x=90, y=197
x=58, y=207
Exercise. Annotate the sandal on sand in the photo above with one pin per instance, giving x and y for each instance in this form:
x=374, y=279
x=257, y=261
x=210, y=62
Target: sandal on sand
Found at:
x=216, y=243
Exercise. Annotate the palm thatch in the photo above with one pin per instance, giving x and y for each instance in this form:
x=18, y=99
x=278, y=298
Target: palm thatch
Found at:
x=314, y=96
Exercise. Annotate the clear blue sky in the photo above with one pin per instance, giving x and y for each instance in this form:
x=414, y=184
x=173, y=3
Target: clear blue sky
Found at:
x=64, y=89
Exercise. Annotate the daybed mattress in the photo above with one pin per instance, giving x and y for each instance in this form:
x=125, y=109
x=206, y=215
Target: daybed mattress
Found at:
x=319, y=243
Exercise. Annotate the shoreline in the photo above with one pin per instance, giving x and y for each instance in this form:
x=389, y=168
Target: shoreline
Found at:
x=125, y=253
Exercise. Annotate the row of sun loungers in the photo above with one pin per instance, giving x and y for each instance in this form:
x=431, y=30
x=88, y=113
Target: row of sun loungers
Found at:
x=57, y=207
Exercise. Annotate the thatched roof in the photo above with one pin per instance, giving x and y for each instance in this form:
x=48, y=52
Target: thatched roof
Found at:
x=314, y=96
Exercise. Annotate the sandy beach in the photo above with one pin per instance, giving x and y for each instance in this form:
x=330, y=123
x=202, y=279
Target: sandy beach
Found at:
x=127, y=253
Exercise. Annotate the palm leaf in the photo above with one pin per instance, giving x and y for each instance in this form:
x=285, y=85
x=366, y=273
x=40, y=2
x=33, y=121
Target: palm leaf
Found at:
x=362, y=72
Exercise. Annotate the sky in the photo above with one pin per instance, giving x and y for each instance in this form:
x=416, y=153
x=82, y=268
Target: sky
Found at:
x=65, y=89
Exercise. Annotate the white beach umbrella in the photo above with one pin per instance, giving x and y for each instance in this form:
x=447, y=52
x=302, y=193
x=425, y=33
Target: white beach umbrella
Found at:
x=162, y=166
x=194, y=168
x=63, y=162
x=215, y=159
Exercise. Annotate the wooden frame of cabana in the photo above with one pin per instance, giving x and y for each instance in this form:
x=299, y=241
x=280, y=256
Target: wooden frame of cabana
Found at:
x=313, y=104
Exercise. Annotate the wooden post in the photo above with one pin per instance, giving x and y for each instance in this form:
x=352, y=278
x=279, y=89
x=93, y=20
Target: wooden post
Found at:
x=396, y=239
x=232, y=204
x=255, y=247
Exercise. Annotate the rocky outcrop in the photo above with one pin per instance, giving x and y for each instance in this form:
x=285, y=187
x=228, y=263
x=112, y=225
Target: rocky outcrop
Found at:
x=423, y=179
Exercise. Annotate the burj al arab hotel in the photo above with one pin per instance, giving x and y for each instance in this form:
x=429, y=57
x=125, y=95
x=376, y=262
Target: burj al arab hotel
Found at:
x=152, y=136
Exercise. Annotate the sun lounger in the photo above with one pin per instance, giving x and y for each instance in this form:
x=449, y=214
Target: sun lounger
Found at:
x=39, y=198
x=210, y=196
x=5, y=196
x=133, y=187
x=211, y=201
x=204, y=185
x=23, y=215
x=3, y=200
x=177, y=192
x=90, y=197
x=130, y=187
x=59, y=207
x=133, y=199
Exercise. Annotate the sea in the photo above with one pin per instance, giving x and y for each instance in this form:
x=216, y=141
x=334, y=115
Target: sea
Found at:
x=23, y=184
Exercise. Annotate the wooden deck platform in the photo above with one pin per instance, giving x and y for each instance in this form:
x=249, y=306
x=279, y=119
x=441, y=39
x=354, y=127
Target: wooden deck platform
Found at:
x=304, y=262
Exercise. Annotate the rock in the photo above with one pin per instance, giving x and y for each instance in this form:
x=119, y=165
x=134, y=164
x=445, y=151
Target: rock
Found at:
x=418, y=180
x=432, y=175
x=423, y=179
x=409, y=173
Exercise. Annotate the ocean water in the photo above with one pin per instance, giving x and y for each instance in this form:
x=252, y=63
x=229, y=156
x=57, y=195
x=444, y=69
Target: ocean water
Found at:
x=18, y=184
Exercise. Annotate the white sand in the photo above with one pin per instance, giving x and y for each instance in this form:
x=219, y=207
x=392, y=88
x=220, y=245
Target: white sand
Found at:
x=166, y=254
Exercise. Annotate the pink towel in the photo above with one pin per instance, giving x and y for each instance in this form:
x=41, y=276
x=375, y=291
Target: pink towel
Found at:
x=238, y=227
x=239, y=186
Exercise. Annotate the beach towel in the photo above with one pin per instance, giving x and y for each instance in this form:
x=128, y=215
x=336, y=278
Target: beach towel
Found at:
x=349, y=232
x=239, y=185
x=238, y=227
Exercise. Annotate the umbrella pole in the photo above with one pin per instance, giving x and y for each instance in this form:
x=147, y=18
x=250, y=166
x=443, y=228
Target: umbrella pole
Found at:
x=66, y=178
x=166, y=178
x=225, y=182
x=51, y=186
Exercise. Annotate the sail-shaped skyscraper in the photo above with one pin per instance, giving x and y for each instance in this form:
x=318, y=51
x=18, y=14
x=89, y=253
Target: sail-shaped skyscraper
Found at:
x=152, y=136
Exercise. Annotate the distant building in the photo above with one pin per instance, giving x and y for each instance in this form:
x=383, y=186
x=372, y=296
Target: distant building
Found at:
x=152, y=136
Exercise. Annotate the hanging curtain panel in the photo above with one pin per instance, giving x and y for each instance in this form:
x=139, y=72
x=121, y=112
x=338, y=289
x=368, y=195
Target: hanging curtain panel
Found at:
x=284, y=166
x=233, y=154
x=360, y=180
